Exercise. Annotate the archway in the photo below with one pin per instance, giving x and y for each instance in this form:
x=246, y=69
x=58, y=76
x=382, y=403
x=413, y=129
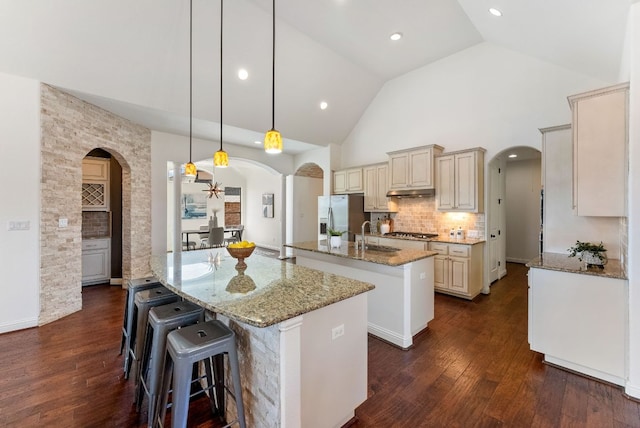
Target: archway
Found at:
x=513, y=212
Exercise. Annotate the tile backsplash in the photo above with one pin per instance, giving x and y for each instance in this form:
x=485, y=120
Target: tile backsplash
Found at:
x=96, y=224
x=420, y=215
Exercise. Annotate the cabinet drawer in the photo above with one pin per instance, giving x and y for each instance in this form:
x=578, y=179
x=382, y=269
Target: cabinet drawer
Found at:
x=439, y=247
x=459, y=250
x=95, y=244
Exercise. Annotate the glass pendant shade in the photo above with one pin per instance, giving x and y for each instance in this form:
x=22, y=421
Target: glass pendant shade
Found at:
x=221, y=159
x=190, y=170
x=273, y=142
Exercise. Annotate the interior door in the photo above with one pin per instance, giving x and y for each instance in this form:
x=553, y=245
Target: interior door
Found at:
x=496, y=205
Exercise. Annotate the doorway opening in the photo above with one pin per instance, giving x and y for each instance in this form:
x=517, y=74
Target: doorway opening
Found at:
x=514, y=219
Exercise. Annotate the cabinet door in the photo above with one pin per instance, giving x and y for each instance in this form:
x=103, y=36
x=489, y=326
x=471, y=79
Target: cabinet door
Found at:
x=445, y=190
x=421, y=168
x=440, y=271
x=95, y=196
x=339, y=182
x=370, y=188
x=459, y=274
x=399, y=171
x=354, y=180
x=600, y=140
x=465, y=181
x=95, y=265
x=95, y=169
x=382, y=202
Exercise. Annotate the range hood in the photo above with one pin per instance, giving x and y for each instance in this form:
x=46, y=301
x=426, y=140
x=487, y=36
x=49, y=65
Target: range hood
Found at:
x=411, y=193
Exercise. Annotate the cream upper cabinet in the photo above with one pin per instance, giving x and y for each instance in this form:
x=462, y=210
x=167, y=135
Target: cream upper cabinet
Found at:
x=348, y=181
x=600, y=145
x=460, y=181
x=413, y=168
x=376, y=184
x=95, y=184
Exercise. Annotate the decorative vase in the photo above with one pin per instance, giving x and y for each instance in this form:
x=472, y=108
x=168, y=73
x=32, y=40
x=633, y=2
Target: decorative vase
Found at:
x=336, y=241
x=592, y=259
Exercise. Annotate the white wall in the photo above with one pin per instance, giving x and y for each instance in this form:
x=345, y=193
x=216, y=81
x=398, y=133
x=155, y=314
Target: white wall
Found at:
x=484, y=96
x=523, y=184
x=305, y=208
x=633, y=385
x=20, y=196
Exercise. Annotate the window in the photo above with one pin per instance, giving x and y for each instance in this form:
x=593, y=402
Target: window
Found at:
x=232, y=205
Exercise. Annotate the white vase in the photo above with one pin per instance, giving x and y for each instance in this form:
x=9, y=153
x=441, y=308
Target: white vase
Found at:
x=335, y=241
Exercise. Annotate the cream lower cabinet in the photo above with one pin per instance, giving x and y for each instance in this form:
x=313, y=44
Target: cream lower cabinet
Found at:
x=376, y=184
x=458, y=269
x=96, y=261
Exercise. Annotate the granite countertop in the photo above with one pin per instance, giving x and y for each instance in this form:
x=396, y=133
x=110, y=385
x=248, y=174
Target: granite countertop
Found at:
x=348, y=250
x=564, y=263
x=443, y=238
x=269, y=291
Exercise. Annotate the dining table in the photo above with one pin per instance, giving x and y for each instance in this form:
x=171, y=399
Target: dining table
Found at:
x=234, y=230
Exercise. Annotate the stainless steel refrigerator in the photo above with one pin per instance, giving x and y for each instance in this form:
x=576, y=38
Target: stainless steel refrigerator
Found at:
x=341, y=212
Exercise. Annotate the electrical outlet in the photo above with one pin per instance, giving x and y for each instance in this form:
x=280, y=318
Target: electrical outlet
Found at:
x=63, y=222
x=338, y=331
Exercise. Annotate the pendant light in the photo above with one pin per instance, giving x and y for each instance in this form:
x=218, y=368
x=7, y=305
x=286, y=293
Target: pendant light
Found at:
x=273, y=139
x=190, y=170
x=221, y=159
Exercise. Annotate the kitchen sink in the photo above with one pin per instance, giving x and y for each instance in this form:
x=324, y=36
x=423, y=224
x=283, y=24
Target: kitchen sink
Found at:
x=381, y=248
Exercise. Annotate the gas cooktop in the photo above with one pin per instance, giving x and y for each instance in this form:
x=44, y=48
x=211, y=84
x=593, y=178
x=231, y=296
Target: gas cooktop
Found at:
x=415, y=235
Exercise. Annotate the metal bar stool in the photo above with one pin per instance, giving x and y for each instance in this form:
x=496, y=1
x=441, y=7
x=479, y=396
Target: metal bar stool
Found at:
x=144, y=301
x=128, y=332
x=190, y=345
x=162, y=320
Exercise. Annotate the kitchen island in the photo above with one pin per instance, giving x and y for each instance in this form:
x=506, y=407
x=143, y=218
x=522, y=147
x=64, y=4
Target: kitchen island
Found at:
x=401, y=305
x=301, y=333
x=578, y=315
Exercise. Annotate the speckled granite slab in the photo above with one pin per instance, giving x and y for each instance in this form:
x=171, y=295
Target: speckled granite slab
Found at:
x=269, y=291
x=564, y=263
x=348, y=250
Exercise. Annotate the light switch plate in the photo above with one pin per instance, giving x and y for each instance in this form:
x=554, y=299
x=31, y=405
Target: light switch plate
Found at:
x=18, y=225
x=63, y=222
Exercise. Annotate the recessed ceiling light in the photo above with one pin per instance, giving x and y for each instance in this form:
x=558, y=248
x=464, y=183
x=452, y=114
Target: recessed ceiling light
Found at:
x=495, y=12
x=324, y=105
x=243, y=74
x=395, y=36
x=513, y=155
x=258, y=142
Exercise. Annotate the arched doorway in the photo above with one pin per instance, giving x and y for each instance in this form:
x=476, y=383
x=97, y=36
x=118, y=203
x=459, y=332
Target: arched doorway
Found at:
x=514, y=220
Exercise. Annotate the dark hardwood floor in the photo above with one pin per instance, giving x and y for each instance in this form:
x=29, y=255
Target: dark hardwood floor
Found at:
x=471, y=368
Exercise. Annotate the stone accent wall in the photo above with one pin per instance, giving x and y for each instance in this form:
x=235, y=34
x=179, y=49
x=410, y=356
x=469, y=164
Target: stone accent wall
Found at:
x=420, y=215
x=71, y=128
x=310, y=170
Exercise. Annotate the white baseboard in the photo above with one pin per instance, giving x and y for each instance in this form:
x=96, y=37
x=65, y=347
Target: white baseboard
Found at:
x=632, y=390
x=18, y=325
x=115, y=281
x=390, y=336
x=521, y=261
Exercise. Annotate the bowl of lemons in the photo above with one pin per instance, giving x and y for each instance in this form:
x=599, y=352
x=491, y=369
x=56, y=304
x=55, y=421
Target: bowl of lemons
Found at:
x=241, y=250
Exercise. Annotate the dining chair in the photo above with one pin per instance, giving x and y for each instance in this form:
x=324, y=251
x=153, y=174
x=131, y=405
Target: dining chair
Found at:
x=236, y=235
x=204, y=237
x=216, y=237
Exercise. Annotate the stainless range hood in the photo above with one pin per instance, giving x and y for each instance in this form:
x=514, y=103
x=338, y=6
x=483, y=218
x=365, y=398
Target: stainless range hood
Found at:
x=411, y=193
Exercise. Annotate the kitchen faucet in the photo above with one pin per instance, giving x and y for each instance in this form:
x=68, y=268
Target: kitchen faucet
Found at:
x=363, y=224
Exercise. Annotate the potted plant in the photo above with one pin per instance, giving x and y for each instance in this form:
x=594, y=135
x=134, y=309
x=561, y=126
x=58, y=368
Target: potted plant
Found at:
x=335, y=238
x=591, y=254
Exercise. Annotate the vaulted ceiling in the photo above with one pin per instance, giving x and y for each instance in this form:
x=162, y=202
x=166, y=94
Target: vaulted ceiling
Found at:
x=132, y=57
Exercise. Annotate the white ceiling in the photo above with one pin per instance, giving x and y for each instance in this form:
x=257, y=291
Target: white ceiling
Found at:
x=132, y=57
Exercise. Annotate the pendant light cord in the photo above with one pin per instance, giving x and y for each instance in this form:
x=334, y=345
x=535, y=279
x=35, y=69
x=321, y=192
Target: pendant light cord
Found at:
x=190, y=75
x=221, y=14
x=273, y=68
